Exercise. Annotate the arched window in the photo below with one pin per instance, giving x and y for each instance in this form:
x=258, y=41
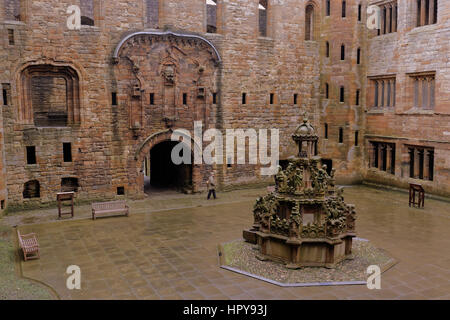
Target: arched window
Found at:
x=211, y=16
x=263, y=14
x=309, y=22
x=343, y=52
x=152, y=7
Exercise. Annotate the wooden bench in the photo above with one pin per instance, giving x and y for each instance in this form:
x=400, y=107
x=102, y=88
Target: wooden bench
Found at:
x=29, y=245
x=109, y=207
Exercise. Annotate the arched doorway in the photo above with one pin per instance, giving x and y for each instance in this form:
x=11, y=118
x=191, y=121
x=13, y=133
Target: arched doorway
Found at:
x=161, y=173
x=155, y=170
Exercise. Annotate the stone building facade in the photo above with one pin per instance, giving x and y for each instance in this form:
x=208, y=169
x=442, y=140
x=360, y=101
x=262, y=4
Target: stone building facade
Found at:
x=92, y=110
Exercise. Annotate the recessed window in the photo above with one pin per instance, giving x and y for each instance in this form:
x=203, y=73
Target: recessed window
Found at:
x=357, y=97
x=341, y=135
x=295, y=98
x=344, y=9
x=382, y=92
x=382, y=156
x=2, y=204
x=262, y=8
x=31, y=155
x=152, y=98
x=69, y=185
x=342, y=95
x=359, y=12
x=244, y=98
x=152, y=7
x=31, y=189
x=327, y=49
x=424, y=91
x=120, y=191
x=214, y=97
x=358, y=56
x=309, y=22
x=211, y=16
x=272, y=98
x=11, y=37
x=326, y=130
x=114, y=98
x=184, y=98
x=427, y=12
x=6, y=93
x=356, y=138
x=87, y=12
x=327, y=90
x=67, y=152
x=342, y=52
x=328, y=8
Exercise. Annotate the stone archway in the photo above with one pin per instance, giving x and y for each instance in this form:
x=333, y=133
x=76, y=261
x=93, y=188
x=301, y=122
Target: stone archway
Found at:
x=160, y=142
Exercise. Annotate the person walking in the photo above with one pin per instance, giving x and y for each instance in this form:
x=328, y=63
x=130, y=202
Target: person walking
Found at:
x=211, y=184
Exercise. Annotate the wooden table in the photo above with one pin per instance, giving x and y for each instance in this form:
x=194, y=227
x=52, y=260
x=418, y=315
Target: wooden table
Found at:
x=65, y=196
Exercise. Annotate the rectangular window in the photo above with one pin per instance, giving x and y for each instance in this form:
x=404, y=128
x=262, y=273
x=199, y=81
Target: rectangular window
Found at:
x=120, y=191
x=2, y=204
x=326, y=130
x=87, y=12
x=244, y=98
x=358, y=56
x=67, y=152
x=11, y=37
x=114, y=98
x=295, y=98
x=263, y=18
x=327, y=90
x=214, y=97
x=152, y=7
x=357, y=97
x=211, y=16
x=359, y=12
x=382, y=156
x=342, y=95
x=342, y=52
x=272, y=98
x=6, y=93
x=152, y=98
x=341, y=135
x=344, y=9
x=184, y=98
x=383, y=91
x=424, y=90
x=328, y=8
x=356, y=138
x=31, y=155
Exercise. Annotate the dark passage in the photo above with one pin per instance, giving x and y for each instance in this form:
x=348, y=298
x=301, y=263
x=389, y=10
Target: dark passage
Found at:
x=164, y=173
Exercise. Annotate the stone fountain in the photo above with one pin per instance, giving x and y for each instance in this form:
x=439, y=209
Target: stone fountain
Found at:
x=305, y=221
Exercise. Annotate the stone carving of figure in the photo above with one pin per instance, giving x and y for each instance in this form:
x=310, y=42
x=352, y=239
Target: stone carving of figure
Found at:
x=169, y=75
x=321, y=180
x=280, y=180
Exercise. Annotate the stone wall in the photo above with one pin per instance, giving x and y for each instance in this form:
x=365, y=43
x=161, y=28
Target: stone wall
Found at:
x=412, y=50
x=105, y=141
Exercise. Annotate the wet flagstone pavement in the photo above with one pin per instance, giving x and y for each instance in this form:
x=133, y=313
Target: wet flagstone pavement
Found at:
x=161, y=252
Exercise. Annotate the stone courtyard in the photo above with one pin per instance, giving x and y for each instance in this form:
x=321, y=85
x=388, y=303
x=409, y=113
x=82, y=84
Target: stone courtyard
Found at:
x=167, y=249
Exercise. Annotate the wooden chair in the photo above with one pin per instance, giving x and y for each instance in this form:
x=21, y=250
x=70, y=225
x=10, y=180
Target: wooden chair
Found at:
x=109, y=207
x=413, y=189
x=29, y=245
